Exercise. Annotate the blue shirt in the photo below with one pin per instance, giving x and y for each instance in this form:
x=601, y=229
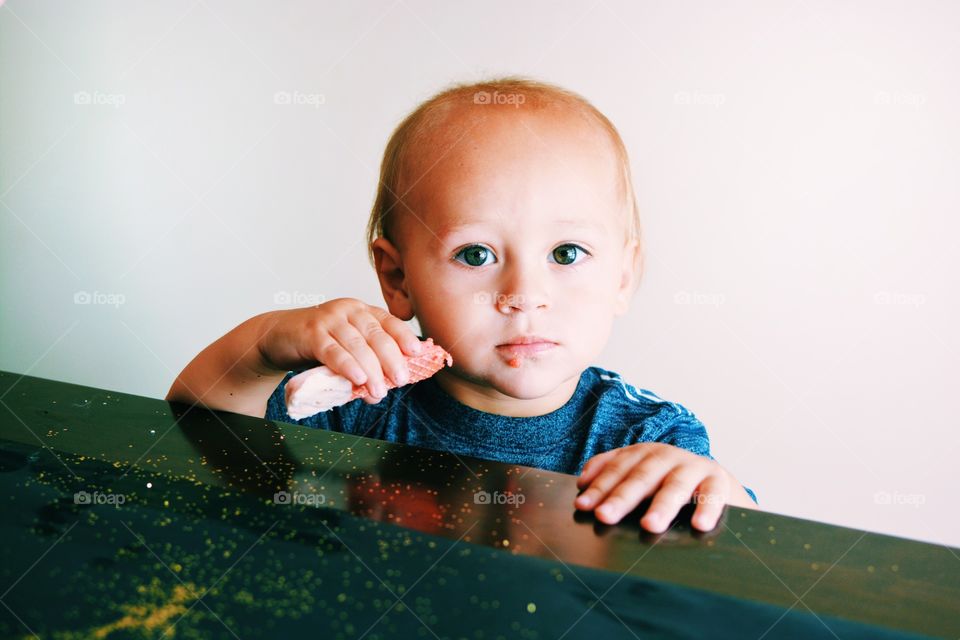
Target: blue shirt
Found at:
x=604, y=413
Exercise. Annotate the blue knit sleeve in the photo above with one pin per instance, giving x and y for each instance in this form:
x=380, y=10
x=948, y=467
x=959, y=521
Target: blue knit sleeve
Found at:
x=676, y=425
x=276, y=404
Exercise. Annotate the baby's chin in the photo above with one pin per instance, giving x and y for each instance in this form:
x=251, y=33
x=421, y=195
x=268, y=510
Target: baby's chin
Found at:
x=526, y=379
x=525, y=389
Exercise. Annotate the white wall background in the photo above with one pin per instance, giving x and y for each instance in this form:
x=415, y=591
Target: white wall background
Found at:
x=796, y=163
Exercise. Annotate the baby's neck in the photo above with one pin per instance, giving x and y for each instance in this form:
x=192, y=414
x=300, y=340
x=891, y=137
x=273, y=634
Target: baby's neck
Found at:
x=489, y=400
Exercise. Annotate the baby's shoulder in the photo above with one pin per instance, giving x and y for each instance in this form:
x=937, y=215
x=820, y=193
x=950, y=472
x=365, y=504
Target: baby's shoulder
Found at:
x=617, y=394
x=644, y=416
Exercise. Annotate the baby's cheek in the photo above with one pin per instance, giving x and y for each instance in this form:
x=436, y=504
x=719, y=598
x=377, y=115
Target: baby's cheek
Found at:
x=589, y=319
x=451, y=324
x=587, y=304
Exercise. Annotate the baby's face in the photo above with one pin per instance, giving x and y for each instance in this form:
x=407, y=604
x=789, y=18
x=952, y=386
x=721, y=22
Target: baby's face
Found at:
x=521, y=237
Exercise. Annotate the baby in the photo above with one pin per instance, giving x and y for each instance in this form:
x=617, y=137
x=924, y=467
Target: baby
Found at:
x=505, y=221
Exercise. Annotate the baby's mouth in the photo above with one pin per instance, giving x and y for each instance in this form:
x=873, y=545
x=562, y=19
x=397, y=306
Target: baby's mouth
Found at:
x=524, y=347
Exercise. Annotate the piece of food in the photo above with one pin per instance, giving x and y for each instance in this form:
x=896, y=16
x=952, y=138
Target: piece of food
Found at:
x=320, y=389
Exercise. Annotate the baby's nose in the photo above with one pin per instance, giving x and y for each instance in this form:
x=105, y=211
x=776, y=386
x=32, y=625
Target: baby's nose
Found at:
x=522, y=285
x=521, y=298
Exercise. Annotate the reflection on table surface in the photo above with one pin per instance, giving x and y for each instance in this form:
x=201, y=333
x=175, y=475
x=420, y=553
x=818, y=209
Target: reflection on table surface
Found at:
x=131, y=517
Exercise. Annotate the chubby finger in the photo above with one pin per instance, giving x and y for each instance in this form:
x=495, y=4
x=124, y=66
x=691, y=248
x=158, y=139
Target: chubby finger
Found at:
x=388, y=352
x=641, y=482
x=676, y=491
x=710, y=498
x=339, y=360
x=613, y=473
x=399, y=330
x=593, y=467
x=355, y=343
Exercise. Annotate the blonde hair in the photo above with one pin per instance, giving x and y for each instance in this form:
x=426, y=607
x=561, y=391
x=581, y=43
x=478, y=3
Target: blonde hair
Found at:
x=519, y=92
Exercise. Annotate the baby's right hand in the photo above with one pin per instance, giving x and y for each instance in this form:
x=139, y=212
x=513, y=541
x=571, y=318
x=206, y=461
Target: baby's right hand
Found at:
x=358, y=341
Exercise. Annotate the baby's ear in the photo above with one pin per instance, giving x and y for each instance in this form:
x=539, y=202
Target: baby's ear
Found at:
x=631, y=271
x=392, y=278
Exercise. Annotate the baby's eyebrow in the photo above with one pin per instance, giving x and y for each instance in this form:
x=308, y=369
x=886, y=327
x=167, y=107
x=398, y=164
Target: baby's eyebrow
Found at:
x=567, y=225
x=579, y=224
x=450, y=229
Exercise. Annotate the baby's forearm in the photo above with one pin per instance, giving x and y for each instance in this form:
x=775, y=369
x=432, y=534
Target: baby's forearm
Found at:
x=231, y=374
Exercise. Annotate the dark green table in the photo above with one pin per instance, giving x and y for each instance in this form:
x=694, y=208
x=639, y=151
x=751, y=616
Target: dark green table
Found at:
x=130, y=517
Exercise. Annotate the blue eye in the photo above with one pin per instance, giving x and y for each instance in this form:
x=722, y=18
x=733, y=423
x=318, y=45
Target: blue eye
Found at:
x=475, y=255
x=568, y=254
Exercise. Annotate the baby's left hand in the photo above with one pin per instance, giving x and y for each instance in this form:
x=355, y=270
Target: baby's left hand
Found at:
x=620, y=479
